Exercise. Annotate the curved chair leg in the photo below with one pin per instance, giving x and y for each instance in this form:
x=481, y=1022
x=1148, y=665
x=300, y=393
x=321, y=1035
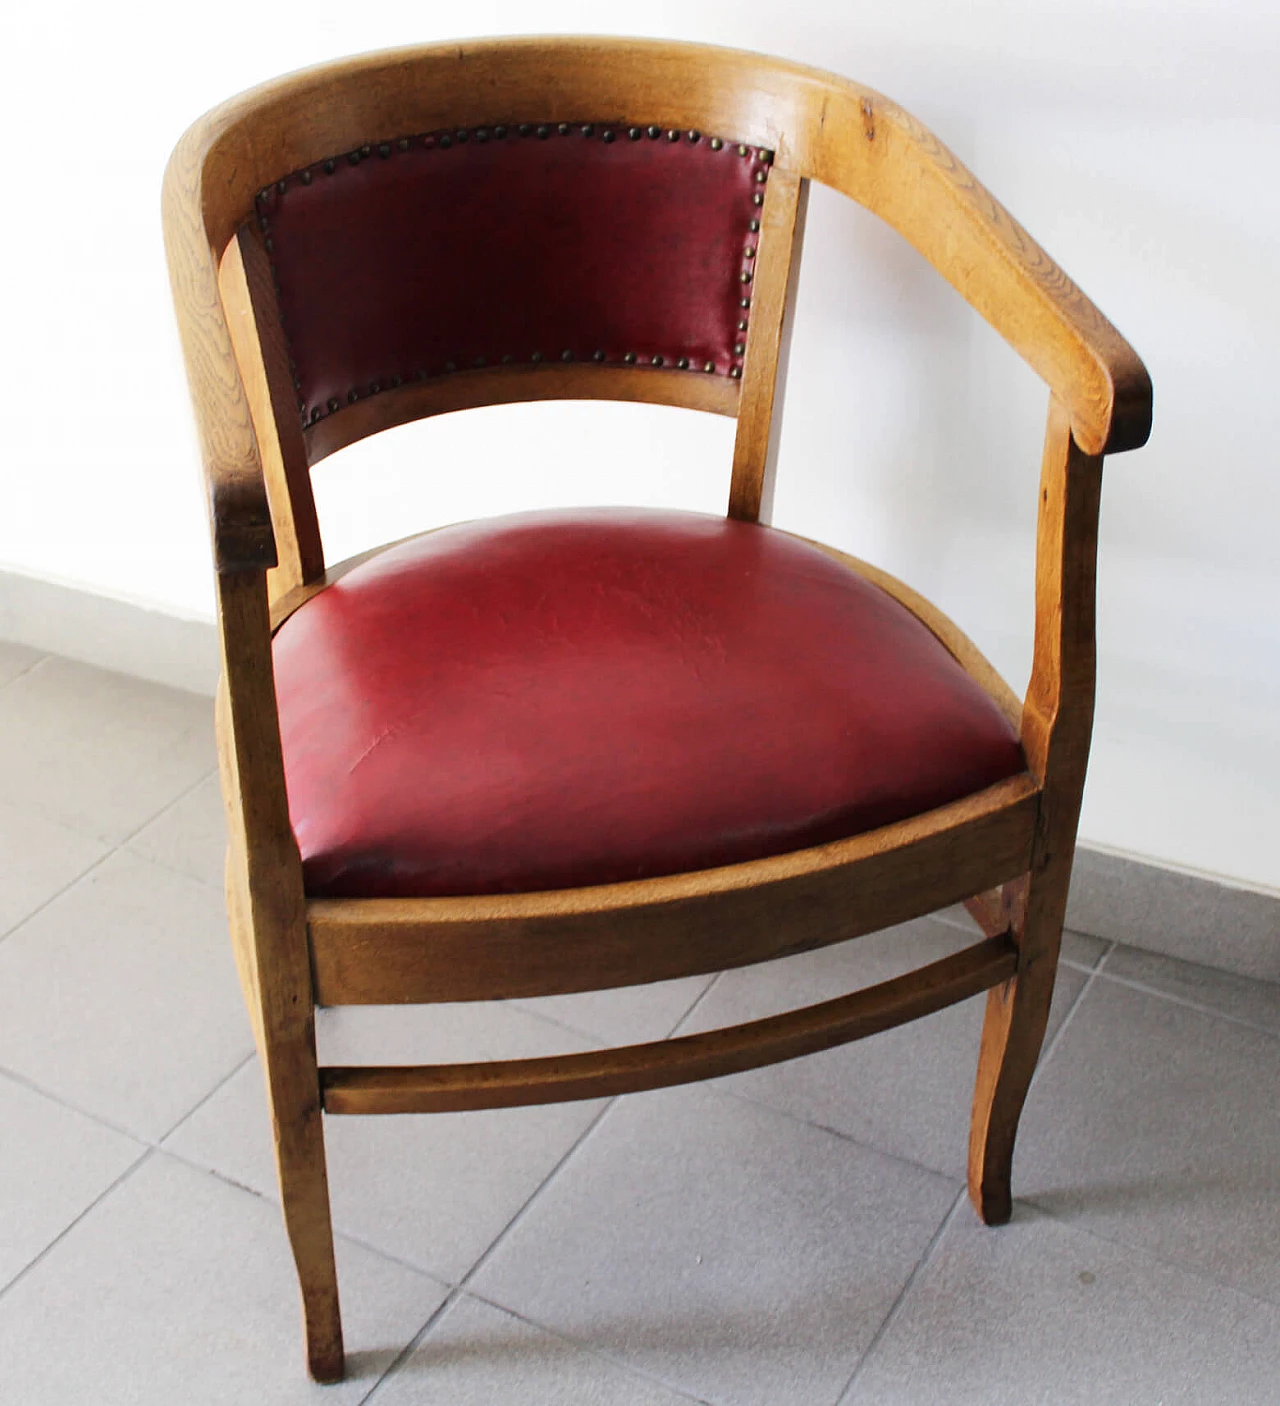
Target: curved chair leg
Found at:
x=293, y=1094
x=286, y=1047
x=1017, y=1014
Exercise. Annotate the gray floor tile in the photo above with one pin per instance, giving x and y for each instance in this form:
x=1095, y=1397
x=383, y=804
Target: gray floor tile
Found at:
x=432, y=1189
x=53, y=1165
x=477, y=1355
x=628, y=1015
x=907, y=1091
x=1078, y=948
x=190, y=835
x=1157, y=1126
x=732, y=1253
x=178, y=1288
x=1253, y=1002
x=120, y=996
x=41, y=858
x=98, y=751
x=16, y=659
x=1038, y=1314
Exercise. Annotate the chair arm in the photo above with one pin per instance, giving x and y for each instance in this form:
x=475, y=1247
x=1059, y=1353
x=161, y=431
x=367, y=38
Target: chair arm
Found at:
x=239, y=513
x=882, y=157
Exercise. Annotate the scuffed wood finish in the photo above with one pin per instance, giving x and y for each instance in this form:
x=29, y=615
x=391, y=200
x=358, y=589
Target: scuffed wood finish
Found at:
x=257, y=335
x=509, y=385
x=709, y=1055
x=1057, y=723
x=389, y=950
x=268, y=918
x=768, y=342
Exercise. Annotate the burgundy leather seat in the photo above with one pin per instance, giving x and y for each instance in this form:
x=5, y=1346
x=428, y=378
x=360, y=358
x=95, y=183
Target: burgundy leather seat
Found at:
x=549, y=700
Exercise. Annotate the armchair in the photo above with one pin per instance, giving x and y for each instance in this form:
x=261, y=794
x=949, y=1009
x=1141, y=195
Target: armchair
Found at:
x=560, y=752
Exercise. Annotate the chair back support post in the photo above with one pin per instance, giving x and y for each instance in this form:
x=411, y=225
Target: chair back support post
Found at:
x=764, y=375
x=244, y=282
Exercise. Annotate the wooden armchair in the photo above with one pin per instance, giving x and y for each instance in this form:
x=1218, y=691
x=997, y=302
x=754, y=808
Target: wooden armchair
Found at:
x=561, y=752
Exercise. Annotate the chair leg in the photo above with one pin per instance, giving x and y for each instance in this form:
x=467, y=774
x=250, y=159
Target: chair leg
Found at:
x=287, y=1050
x=293, y=1093
x=1012, y=1033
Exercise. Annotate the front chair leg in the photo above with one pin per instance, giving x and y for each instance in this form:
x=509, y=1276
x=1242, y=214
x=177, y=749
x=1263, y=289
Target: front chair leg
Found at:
x=293, y=1092
x=1012, y=1034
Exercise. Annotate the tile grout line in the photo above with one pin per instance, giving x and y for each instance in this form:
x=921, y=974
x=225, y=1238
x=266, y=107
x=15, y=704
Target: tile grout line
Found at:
x=461, y=1286
x=698, y=1000
x=516, y=1004
x=596, y=1039
x=1190, y=1005
x=168, y=806
x=1030, y=1205
x=1047, y=1051
x=26, y=668
x=412, y=1345
x=895, y=1309
x=142, y=1139
x=28, y=1083
x=200, y=1102
x=592, y=1351
x=66, y=888
x=124, y=1176
x=114, y=847
x=713, y=1086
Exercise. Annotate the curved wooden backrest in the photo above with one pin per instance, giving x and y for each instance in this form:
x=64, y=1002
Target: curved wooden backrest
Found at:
x=815, y=125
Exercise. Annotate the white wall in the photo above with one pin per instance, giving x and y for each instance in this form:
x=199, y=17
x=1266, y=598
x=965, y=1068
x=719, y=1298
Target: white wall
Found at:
x=1139, y=142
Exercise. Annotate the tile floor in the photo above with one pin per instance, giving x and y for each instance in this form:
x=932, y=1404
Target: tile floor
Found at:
x=792, y=1235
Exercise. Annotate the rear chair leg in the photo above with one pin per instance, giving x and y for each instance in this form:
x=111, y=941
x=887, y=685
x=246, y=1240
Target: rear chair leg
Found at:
x=1017, y=1014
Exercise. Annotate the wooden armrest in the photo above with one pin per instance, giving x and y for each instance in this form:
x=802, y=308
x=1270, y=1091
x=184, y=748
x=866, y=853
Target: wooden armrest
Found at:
x=239, y=512
x=879, y=155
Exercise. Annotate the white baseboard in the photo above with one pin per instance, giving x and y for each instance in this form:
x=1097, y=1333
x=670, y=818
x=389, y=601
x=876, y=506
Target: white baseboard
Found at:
x=1122, y=897
x=113, y=634
x=1196, y=917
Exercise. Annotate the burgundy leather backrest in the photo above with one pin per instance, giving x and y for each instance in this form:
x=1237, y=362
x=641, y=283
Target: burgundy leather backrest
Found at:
x=430, y=255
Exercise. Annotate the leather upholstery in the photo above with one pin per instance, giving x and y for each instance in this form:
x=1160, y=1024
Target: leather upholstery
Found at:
x=550, y=700
x=431, y=255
